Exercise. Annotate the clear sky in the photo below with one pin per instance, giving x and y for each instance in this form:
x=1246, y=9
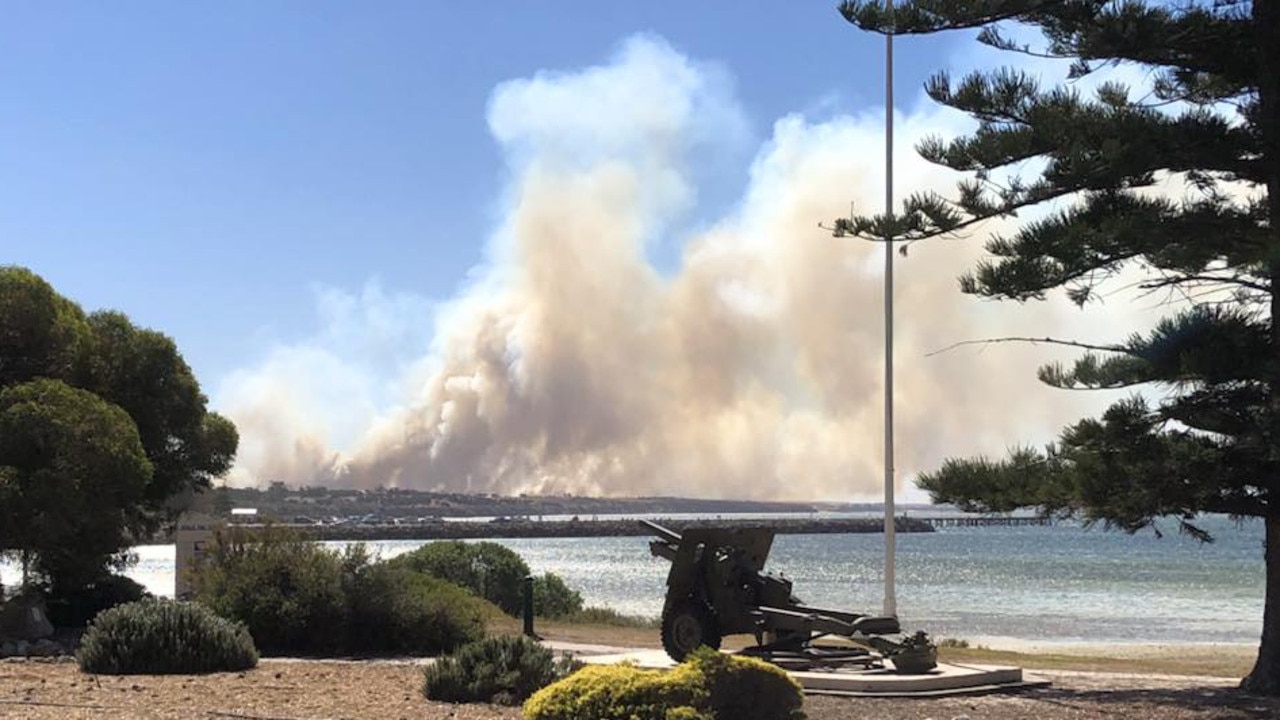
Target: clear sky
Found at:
x=307, y=195
x=202, y=167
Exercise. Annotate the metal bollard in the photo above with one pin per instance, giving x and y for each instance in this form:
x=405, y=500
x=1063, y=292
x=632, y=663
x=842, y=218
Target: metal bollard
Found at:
x=528, y=607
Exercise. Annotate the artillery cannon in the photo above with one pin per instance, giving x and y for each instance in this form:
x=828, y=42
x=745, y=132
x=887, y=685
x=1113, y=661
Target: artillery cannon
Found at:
x=717, y=586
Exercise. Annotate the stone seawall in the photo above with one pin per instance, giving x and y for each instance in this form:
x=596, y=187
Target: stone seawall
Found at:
x=520, y=528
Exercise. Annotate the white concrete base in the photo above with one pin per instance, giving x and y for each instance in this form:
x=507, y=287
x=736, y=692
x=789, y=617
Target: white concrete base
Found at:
x=946, y=679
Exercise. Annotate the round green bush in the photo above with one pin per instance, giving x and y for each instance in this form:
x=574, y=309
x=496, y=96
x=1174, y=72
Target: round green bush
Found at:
x=622, y=692
x=155, y=636
x=505, y=670
x=746, y=688
x=708, y=685
x=396, y=610
x=489, y=570
x=552, y=598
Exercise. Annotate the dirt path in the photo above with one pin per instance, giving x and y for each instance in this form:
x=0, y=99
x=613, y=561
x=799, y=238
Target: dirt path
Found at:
x=282, y=690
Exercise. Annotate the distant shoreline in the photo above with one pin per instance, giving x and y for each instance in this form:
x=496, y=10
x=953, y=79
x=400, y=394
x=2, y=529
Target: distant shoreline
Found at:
x=525, y=528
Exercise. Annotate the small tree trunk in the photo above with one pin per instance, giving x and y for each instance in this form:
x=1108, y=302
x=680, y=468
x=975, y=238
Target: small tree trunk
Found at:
x=1264, y=679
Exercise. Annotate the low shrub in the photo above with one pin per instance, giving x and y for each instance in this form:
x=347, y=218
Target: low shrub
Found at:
x=708, y=685
x=505, y=670
x=154, y=636
x=747, y=688
x=489, y=570
x=285, y=588
x=593, y=615
x=622, y=692
x=75, y=609
x=298, y=597
x=395, y=610
x=553, y=599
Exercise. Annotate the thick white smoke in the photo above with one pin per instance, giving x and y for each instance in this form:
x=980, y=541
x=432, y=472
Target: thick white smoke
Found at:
x=752, y=370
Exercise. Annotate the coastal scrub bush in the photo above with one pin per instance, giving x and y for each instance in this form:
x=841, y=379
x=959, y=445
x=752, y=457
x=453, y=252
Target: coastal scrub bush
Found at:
x=285, y=588
x=707, y=685
x=506, y=670
x=77, y=608
x=595, y=615
x=552, y=598
x=746, y=688
x=623, y=692
x=395, y=610
x=160, y=636
x=297, y=596
x=489, y=570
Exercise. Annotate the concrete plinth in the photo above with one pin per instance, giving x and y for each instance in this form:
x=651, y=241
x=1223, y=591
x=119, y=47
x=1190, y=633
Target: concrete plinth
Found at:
x=946, y=679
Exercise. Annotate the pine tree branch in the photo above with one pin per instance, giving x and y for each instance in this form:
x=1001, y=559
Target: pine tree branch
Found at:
x=1037, y=341
x=1181, y=279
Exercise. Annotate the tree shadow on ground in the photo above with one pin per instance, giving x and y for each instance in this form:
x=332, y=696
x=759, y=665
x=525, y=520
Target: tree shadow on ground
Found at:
x=1207, y=701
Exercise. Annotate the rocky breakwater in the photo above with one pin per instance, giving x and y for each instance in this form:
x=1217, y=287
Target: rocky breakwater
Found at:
x=532, y=528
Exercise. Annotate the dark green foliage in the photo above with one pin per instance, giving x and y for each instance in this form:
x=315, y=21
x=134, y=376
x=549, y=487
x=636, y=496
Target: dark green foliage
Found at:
x=708, y=685
x=297, y=597
x=101, y=392
x=71, y=471
x=1208, y=438
x=155, y=637
x=83, y=604
x=142, y=371
x=505, y=670
x=396, y=610
x=285, y=588
x=488, y=569
x=42, y=334
x=552, y=598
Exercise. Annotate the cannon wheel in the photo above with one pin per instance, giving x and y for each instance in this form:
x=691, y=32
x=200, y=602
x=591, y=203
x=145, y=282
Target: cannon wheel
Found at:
x=685, y=626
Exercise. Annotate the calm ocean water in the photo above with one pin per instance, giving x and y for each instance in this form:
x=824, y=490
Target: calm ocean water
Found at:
x=1037, y=584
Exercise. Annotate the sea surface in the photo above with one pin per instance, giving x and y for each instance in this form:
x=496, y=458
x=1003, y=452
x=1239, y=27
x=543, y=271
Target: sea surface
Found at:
x=1057, y=584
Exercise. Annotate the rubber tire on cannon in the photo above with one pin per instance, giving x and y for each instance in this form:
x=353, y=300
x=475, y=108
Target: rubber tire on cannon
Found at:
x=687, y=625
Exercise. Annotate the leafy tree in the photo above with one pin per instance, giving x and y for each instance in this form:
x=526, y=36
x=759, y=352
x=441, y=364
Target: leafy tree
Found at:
x=45, y=337
x=143, y=372
x=1210, y=443
x=71, y=467
x=42, y=334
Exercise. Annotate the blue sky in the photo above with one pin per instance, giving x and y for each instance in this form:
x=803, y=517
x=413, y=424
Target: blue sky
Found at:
x=202, y=167
x=517, y=247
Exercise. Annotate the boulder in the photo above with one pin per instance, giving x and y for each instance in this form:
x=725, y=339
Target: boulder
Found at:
x=45, y=647
x=24, y=618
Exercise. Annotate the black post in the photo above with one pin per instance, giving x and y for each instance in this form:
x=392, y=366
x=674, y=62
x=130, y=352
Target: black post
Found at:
x=528, y=607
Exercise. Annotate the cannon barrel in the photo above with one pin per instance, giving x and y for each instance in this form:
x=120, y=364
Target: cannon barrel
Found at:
x=664, y=533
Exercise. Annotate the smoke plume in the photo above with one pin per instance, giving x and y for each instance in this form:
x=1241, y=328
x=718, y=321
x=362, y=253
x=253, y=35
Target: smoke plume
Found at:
x=573, y=363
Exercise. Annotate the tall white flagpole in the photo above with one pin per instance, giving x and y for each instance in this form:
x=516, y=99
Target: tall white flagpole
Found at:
x=890, y=538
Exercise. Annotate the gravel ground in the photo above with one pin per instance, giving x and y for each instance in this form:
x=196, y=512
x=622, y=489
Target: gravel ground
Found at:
x=282, y=690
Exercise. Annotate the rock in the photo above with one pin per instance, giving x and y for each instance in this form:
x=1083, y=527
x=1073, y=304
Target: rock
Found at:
x=8, y=649
x=24, y=618
x=44, y=648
